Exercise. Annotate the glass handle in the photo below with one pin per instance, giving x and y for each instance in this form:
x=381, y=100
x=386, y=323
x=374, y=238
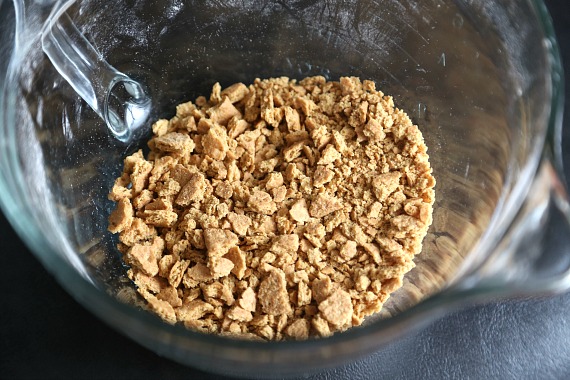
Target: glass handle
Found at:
x=118, y=99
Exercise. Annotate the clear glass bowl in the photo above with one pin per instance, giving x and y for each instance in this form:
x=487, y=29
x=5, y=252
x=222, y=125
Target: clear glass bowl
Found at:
x=482, y=80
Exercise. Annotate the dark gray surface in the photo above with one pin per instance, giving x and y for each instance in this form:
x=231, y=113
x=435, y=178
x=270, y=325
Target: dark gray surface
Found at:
x=44, y=333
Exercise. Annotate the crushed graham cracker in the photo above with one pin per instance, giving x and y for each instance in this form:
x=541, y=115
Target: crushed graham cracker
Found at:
x=281, y=210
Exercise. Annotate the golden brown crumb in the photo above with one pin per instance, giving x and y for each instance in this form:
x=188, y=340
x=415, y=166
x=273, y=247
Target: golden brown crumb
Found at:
x=273, y=295
x=122, y=217
x=279, y=210
x=337, y=308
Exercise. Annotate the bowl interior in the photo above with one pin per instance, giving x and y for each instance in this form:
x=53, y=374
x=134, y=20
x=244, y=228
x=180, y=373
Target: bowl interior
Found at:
x=473, y=77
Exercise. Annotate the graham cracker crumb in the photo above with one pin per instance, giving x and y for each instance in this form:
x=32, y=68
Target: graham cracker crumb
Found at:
x=174, y=142
x=223, y=112
x=235, y=92
x=162, y=308
x=299, y=329
x=215, y=142
x=122, y=217
x=218, y=241
x=238, y=258
x=299, y=211
x=262, y=202
x=272, y=294
x=278, y=210
x=177, y=272
x=248, y=299
x=323, y=205
x=337, y=308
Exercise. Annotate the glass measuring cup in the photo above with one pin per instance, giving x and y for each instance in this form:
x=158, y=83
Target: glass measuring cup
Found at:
x=482, y=88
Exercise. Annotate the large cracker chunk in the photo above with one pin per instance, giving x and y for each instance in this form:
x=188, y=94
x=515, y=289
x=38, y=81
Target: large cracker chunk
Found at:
x=272, y=294
x=337, y=308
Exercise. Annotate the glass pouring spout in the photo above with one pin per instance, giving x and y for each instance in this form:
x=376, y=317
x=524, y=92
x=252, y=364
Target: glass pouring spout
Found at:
x=122, y=102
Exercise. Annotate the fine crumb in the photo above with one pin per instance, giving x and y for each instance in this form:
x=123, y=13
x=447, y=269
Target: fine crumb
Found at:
x=280, y=210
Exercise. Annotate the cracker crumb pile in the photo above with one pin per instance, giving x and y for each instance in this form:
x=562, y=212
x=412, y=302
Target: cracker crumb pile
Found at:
x=282, y=210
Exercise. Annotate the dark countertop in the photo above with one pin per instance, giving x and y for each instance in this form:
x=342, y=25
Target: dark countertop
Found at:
x=44, y=333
